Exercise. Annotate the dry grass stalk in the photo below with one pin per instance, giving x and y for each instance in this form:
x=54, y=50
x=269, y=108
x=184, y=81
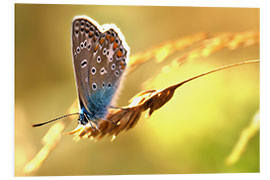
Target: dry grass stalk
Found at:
x=161, y=51
x=208, y=44
x=249, y=132
x=207, y=47
x=49, y=142
x=127, y=117
x=221, y=41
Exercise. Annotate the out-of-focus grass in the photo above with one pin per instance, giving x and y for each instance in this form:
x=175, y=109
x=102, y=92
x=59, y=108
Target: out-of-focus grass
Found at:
x=243, y=140
x=49, y=142
x=207, y=45
x=163, y=50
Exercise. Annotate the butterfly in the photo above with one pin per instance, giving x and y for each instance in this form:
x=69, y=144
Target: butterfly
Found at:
x=100, y=56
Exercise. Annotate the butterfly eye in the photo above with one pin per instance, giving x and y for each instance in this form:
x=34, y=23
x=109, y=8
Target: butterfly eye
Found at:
x=94, y=86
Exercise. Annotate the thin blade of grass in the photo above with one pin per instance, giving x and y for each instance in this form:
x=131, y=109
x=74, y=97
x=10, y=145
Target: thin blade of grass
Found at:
x=250, y=131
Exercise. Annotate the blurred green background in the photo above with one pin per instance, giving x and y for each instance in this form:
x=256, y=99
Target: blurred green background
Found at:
x=193, y=133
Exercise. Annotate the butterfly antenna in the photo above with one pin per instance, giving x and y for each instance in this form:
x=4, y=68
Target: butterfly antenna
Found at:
x=41, y=124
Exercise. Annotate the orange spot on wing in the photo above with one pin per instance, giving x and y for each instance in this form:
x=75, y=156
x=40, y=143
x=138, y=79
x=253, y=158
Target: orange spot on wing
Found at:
x=101, y=41
x=112, y=39
x=119, y=53
x=122, y=65
x=91, y=34
x=108, y=37
x=114, y=45
x=96, y=48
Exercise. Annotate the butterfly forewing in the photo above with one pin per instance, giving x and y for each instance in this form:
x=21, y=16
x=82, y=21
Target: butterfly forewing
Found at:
x=99, y=60
x=84, y=36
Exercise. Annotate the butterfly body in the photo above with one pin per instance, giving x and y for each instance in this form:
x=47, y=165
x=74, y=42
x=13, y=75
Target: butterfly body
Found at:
x=100, y=54
x=97, y=106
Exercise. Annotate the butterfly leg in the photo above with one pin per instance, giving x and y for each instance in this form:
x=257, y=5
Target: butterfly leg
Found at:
x=90, y=123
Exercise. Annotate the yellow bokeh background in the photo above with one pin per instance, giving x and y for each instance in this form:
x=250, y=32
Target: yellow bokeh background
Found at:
x=193, y=133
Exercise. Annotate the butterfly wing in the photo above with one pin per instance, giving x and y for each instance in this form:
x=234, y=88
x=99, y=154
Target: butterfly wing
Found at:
x=110, y=62
x=84, y=36
x=99, y=61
